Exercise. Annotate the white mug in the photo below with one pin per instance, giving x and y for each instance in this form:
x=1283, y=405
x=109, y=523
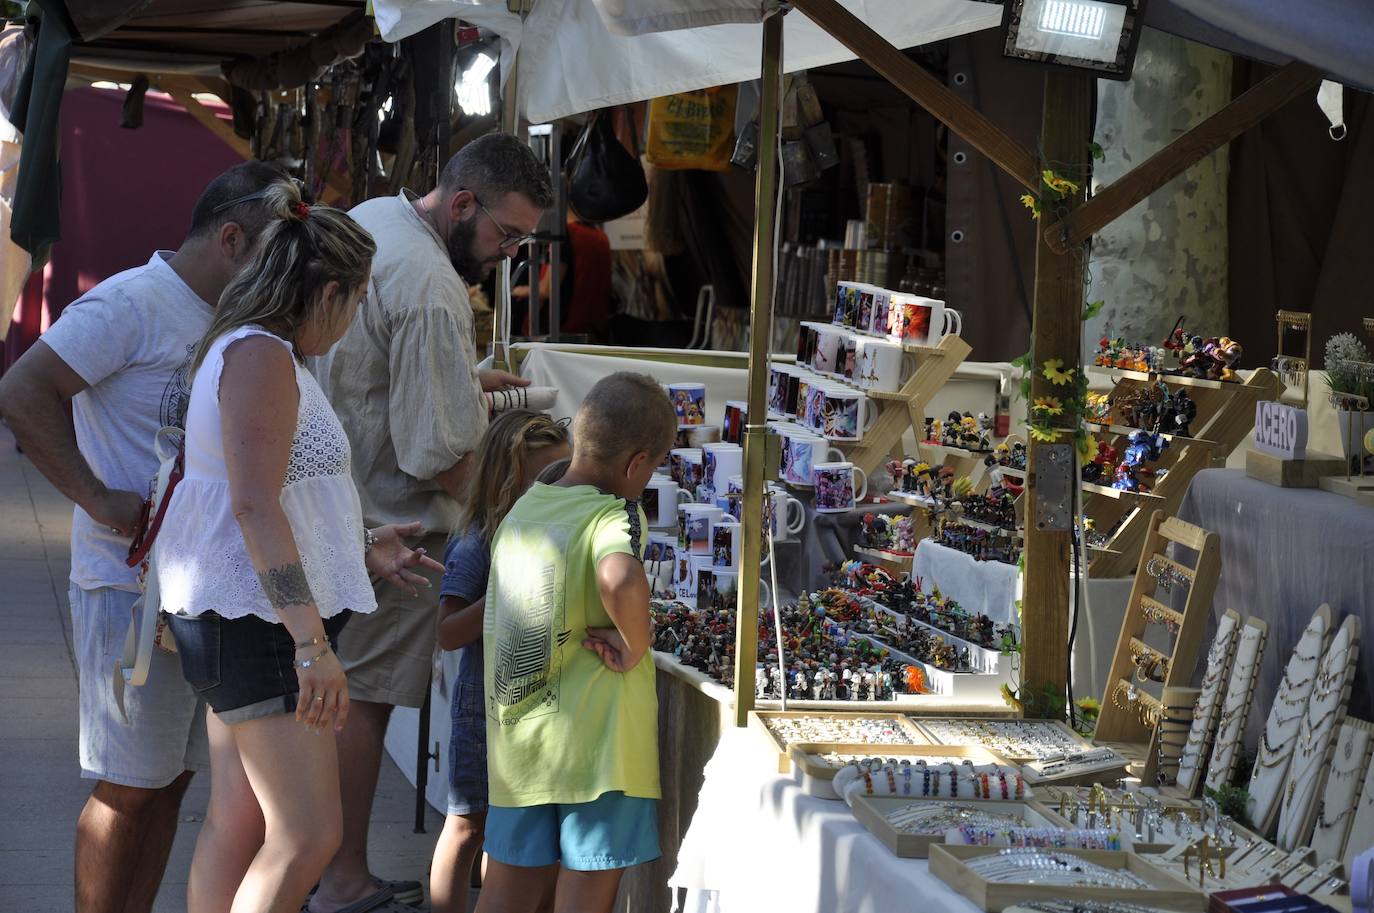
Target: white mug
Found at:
x=719, y=462
x=828, y=346
x=718, y=590
x=849, y=302
x=882, y=365
x=687, y=467
x=686, y=573
x=698, y=435
x=846, y=415
x=725, y=542
x=736, y=414
x=801, y=453
x=689, y=402
x=659, y=558
x=846, y=358
x=660, y=502
x=835, y=487
x=694, y=527
x=921, y=321
x=787, y=513
x=882, y=306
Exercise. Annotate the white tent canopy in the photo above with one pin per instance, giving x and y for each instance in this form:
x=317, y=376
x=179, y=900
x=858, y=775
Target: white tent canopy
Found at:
x=579, y=55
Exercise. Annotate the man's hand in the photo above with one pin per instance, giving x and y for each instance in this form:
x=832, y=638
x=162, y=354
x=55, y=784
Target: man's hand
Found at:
x=499, y=380
x=390, y=558
x=611, y=647
x=117, y=511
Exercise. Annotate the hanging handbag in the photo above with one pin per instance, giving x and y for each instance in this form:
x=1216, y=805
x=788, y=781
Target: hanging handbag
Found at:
x=605, y=181
x=147, y=629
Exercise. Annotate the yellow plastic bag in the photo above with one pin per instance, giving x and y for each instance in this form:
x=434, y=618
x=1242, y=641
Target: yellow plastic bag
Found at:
x=692, y=130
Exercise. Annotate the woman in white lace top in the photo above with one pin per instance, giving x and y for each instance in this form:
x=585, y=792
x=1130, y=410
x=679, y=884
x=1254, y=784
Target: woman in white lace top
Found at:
x=263, y=556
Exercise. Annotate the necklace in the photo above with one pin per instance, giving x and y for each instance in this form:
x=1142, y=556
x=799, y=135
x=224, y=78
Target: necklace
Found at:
x=1328, y=825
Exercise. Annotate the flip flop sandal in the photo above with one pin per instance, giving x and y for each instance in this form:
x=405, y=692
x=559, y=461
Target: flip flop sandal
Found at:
x=406, y=892
x=381, y=902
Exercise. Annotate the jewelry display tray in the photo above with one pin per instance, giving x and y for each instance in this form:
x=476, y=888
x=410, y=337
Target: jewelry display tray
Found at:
x=871, y=812
x=1104, y=771
x=817, y=776
x=948, y=864
x=778, y=749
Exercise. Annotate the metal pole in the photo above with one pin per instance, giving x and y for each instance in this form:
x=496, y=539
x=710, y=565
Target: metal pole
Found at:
x=510, y=123
x=559, y=229
x=760, y=332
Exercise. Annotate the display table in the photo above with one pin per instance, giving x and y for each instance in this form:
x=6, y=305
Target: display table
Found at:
x=990, y=587
x=1286, y=551
x=758, y=842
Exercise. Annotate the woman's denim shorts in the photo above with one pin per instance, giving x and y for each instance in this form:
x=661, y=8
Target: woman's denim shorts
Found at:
x=242, y=667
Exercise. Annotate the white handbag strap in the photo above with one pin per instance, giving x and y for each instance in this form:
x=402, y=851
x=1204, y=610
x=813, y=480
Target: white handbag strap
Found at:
x=132, y=667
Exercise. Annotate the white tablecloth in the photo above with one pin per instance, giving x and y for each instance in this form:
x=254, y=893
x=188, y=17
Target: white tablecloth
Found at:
x=990, y=587
x=758, y=843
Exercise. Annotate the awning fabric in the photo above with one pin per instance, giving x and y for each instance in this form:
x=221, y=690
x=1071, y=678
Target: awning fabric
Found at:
x=574, y=61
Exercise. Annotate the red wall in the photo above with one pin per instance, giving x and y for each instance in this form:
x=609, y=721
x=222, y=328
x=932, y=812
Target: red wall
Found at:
x=125, y=194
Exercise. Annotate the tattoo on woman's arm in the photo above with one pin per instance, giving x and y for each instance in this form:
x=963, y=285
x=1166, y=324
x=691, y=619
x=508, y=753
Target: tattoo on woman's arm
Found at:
x=286, y=586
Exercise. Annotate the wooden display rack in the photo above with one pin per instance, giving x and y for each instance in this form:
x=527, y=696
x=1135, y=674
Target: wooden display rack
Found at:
x=1115, y=724
x=907, y=407
x=1225, y=416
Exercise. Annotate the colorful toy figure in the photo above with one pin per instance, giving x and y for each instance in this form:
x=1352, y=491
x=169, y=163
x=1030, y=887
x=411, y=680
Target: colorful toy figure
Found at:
x=1143, y=447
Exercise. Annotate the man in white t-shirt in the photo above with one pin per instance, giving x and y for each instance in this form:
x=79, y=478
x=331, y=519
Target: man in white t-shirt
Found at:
x=121, y=355
x=405, y=385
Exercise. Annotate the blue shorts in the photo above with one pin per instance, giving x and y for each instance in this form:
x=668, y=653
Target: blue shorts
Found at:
x=467, y=751
x=614, y=831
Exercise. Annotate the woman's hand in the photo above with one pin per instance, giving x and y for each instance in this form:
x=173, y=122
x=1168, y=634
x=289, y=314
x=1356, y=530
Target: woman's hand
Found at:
x=324, y=690
x=390, y=558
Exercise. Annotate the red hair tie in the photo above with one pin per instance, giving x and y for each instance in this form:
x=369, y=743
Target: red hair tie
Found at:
x=302, y=210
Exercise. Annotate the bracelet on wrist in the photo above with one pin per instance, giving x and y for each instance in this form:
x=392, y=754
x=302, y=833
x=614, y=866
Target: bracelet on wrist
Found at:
x=312, y=642
x=369, y=540
x=307, y=663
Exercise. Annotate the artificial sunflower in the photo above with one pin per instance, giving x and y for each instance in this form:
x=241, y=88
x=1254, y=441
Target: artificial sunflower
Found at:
x=1011, y=699
x=1048, y=405
x=1087, y=449
x=1055, y=374
x=1061, y=186
x=1031, y=203
x=1044, y=434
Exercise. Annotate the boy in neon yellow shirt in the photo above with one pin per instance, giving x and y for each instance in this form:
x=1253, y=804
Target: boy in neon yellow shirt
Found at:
x=572, y=714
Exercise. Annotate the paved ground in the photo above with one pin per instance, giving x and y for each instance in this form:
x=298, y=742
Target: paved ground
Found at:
x=41, y=792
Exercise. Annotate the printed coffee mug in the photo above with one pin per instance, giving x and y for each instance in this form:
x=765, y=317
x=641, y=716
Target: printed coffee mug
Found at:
x=660, y=502
x=846, y=415
x=882, y=365
x=801, y=454
x=694, y=527
x=686, y=573
x=660, y=555
x=845, y=357
x=787, y=514
x=882, y=305
x=720, y=461
x=736, y=414
x=718, y=590
x=847, y=297
x=725, y=542
x=689, y=402
x=783, y=383
x=921, y=321
x=700, y=435
x=686, y=463
x=829, y=344
x=835, y=488
x=806, y=342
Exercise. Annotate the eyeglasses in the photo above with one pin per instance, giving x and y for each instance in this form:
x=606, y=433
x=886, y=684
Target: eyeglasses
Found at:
x=509, y=238
x=257, y=195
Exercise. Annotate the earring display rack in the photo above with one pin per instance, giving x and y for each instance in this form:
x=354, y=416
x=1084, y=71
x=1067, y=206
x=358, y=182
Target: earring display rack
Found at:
x=1280, y=733
x=1235, y=708
x=1341, y=796
x=1361, y=835
x=1317, y=736
x=907, y=407
x=1225, y=418
x=1208, y=707
x=1133, y=721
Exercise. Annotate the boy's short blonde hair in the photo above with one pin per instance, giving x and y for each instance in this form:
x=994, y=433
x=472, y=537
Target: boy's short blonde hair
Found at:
x=622, y=414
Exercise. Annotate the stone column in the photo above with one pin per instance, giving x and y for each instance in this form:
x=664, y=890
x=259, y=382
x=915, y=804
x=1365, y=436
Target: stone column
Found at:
x=1167, y=256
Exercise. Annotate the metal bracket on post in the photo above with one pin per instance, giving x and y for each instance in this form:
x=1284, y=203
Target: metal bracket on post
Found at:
x=1052, y=487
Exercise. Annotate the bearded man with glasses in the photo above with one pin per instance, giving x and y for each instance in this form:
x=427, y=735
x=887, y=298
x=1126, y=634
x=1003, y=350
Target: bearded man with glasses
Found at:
x=405, y=385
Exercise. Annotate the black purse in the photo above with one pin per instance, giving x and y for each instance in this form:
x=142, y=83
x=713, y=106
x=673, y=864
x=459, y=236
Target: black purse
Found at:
x=605, y=181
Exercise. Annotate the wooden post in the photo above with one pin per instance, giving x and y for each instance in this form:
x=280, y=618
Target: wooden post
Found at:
x=760, y=333
x=1056, y=331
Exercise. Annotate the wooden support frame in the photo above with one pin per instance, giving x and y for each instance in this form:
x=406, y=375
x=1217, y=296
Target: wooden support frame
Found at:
x=1231, y=121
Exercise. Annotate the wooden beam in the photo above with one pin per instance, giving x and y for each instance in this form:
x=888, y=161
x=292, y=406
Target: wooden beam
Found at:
x=209, y=119
x=1240, y=115
x=1056, y=331
x=924, y=89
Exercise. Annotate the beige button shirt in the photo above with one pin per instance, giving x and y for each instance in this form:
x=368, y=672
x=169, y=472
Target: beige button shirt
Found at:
x=403, y=380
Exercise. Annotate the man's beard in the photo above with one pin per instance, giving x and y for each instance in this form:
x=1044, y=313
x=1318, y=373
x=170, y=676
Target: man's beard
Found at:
x=461, y=236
